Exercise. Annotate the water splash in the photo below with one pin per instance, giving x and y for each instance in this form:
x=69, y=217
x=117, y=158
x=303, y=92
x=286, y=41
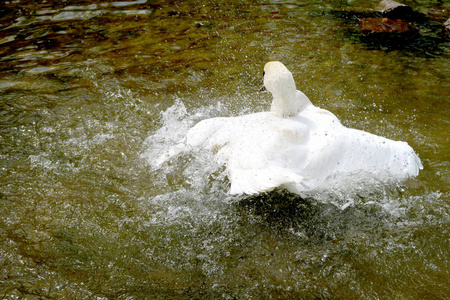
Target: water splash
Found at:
x=176, y=122
x=197, y=169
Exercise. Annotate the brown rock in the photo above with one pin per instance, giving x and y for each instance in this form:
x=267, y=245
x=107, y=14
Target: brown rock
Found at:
x=387, y=33
x=383, y=25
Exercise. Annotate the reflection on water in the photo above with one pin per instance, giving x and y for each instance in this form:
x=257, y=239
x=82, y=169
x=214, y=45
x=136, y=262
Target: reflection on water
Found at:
x=90, y=91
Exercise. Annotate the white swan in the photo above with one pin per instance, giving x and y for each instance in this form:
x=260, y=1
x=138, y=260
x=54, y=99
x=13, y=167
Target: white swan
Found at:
x=296, y=145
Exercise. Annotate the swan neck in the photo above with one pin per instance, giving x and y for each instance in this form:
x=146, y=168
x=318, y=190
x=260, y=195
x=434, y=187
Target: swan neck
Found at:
x=280, y=107
x=289, y=105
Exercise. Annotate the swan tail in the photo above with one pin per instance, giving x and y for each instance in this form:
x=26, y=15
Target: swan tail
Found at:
x=405, y=161
x=414, y=164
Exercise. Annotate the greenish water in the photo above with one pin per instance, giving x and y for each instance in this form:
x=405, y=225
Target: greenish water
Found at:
x=90, y=90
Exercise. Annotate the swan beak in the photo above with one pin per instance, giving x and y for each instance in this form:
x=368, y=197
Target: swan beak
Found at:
x=263, y=89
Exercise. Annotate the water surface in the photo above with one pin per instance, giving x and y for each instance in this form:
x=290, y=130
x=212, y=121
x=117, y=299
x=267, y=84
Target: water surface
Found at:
x=90, y=90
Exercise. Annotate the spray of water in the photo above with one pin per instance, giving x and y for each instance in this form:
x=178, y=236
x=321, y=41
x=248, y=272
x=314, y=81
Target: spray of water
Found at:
x=196, y=169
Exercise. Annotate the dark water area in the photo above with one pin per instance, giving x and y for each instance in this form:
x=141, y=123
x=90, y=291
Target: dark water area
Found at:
x=90, y=91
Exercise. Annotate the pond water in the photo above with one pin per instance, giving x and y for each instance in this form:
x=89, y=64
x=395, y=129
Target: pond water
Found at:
x=90, y=91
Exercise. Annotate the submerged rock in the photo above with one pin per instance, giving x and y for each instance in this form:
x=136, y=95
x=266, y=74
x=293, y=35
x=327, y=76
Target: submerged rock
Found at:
x=386, y=32
x=447, y=25
x=383, y=25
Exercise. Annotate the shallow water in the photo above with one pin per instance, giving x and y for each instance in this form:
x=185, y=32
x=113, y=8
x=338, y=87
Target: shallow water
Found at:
x=91, y=91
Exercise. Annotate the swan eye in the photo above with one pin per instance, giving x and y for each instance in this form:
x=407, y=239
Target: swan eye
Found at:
x=264, y=73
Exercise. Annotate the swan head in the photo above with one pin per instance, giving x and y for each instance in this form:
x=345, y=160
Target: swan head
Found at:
x=279, y=81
